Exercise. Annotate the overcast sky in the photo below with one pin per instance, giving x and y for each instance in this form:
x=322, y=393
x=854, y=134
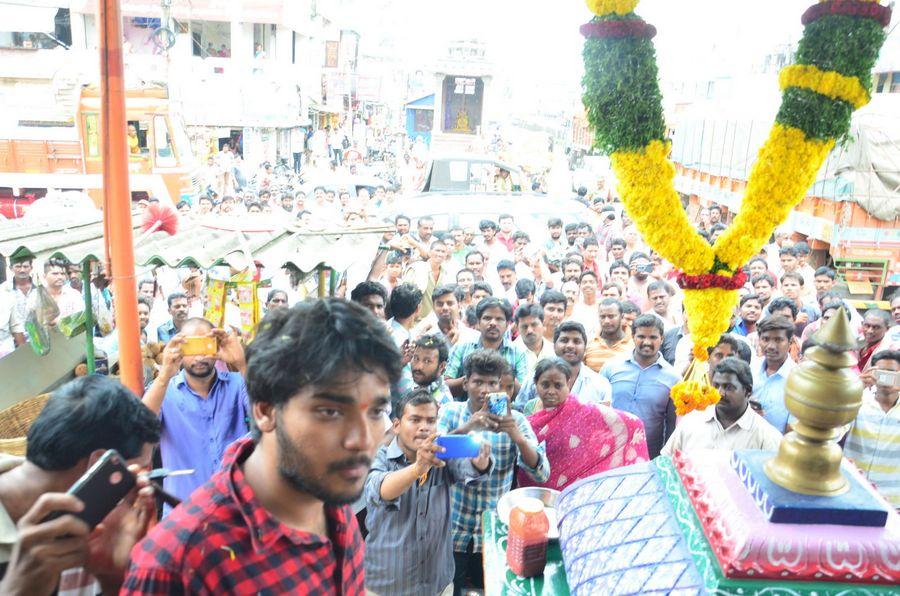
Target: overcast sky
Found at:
x=539, y=46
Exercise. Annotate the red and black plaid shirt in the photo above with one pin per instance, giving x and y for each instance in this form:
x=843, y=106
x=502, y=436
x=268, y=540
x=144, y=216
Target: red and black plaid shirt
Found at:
x=221, y=541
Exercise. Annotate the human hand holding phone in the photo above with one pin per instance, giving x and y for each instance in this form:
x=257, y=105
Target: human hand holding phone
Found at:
x=111, y=542
x=46, y=547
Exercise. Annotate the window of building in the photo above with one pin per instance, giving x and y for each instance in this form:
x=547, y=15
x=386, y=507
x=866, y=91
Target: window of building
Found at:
x=211, y=39
x=263, y=41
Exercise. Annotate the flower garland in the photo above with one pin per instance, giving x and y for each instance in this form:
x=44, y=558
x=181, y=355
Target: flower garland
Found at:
x=831, y=78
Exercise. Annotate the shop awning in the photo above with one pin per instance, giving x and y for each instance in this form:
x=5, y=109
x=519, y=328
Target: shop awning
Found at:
x=208, y=243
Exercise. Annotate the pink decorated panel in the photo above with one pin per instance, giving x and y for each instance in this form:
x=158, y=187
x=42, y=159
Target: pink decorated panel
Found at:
x=747, y=545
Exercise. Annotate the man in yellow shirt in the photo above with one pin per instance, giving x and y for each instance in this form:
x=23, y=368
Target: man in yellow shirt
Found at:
x=612, y=342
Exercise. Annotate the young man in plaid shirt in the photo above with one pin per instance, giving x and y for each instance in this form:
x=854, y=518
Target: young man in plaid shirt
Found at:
x=276, y=519
x=513, y=443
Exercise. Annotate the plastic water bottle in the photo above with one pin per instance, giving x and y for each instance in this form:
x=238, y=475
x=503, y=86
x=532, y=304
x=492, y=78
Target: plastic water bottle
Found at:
x=526, y=544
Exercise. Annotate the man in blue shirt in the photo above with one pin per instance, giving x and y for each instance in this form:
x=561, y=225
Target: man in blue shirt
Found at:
x=178, y=308
x=642, y=381
x=770, y=376
x=202, y=410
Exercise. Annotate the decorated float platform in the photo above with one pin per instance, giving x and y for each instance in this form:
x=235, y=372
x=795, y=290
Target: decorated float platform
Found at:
x=799, y=521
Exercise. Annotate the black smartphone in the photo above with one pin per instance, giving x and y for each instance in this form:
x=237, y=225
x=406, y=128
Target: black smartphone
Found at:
x=101, y=488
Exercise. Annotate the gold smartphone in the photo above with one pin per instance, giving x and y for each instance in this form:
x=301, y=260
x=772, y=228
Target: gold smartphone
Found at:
x=200, y=346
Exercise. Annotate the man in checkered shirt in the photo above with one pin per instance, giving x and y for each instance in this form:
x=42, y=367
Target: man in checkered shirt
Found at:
x=275, y=519
x=513, y=443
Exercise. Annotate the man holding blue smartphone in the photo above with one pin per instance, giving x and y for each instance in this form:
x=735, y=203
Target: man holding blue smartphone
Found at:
x=513, y=443
x=409, y=549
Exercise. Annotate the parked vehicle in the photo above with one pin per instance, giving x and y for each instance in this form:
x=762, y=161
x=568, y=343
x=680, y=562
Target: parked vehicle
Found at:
x=36, y=157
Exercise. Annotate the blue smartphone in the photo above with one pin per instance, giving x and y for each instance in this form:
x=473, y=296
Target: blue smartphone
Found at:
x=498, y=404
x=458, y=446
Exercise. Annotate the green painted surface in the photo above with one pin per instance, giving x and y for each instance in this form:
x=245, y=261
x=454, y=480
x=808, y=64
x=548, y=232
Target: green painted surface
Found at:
x=499, y=580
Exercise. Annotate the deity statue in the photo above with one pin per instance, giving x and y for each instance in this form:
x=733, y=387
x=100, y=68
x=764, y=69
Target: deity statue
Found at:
x=462, y=121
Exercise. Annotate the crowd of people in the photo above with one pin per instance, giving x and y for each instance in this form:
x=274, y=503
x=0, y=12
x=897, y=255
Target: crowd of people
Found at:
x=313, y=441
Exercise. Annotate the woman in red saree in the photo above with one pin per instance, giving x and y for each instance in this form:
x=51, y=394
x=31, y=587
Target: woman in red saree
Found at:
x=580, y=439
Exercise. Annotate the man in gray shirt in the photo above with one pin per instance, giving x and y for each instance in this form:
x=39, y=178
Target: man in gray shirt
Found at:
x=409, y=550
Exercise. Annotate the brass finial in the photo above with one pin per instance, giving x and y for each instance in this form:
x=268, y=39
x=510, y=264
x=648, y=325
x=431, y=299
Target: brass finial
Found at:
x=824, y=395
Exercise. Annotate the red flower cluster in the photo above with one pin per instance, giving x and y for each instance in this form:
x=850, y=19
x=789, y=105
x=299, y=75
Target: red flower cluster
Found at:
x=848, y=8
x=711, y=280
x=618, y=29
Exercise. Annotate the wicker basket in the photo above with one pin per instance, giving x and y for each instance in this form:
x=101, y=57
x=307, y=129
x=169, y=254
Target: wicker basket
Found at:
x=15, y=422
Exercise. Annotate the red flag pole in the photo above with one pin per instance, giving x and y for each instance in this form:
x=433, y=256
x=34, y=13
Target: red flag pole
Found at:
x=116, y=195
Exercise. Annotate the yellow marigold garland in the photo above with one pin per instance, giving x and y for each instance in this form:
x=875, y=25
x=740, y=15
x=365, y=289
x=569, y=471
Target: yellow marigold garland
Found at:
x=607, y=7
x=825, y=82
x=695, y=392
x=646, y=186
x=785, y=167
x=815, y=111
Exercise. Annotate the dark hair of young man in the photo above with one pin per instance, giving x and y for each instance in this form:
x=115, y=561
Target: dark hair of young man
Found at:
x=570, y=326
x=437, y=342
x=485, y=362
x=175, y=296
x=776, y=323
x=617, y=265
x=442, y=291
x=506, y=264
x=405, y=299
x=483, y=286
x=885, y=355
x=525, y=288
x=658, y=285
x=618, y=242
x=587, y=273
x=649, y=321
x=787, y=250
x=795, y=275
x=825, y=272
x=491, y=302
x=767, y=277
x=87, y=414
x=554, y=222
x=635, y=256
x=726, y=339
x=315, y=343
x=738, y=368
x=748, y=297
x=571, y=227
x=417, y=397
x=529, y=310
x=552, y=297
x=627, y=307
x=744, y=352
x=782, y=303
x=368, y=288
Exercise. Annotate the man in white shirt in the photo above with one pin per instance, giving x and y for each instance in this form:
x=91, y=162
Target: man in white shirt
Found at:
x=569, y=344
x=12, y=326
x=585, y=310
x=730, y=424
x=530, y=325
x=68, y=301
